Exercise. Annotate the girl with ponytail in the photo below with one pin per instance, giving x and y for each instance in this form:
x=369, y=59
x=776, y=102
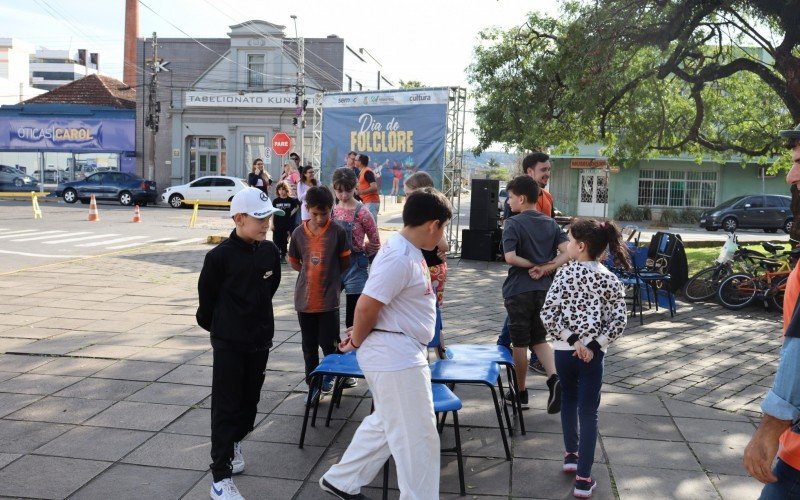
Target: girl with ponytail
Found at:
x=583, y=313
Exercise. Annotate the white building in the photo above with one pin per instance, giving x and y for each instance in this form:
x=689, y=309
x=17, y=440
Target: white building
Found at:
x=15, y=71
x=50, y=69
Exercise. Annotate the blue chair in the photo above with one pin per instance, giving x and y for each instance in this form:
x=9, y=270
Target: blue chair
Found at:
x=498, y=354
x=444, y=402
x=631, y=281
x=656, y=281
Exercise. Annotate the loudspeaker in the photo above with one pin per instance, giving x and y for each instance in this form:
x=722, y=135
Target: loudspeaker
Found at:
x=483, y=204
x=479, y=244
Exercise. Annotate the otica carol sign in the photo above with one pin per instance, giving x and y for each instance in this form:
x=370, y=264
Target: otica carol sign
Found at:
x=67, y=135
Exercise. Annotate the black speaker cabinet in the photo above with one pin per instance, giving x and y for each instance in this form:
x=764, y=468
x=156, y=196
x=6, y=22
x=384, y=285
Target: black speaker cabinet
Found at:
x=477, y=244
x=483, y=204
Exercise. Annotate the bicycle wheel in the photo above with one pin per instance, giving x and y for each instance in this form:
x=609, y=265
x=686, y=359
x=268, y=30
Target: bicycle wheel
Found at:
x=704, y=284
x=778, y=290
x=737, y=291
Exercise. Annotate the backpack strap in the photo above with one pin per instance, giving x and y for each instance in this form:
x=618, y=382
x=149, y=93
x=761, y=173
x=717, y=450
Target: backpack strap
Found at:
x=355, y=212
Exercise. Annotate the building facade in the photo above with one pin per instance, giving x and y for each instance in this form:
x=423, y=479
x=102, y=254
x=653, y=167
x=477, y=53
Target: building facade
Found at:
x=50, y=69
x=586, y=185
x=15, y=71
x=223, y=100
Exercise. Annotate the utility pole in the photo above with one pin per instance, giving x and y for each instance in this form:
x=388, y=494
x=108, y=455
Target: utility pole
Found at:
x=153, y=107
x=300, y=100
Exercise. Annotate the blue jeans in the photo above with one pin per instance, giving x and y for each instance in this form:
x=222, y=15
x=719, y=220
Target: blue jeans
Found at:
x=505, y=340
x=580, y=397
x=787, y=485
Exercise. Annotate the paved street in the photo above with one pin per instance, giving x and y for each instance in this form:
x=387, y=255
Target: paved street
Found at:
x=105, y=384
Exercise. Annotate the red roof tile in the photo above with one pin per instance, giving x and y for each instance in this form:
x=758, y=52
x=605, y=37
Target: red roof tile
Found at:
x=94, y=90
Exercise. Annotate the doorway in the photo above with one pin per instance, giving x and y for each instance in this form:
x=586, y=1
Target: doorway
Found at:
x=593, y=195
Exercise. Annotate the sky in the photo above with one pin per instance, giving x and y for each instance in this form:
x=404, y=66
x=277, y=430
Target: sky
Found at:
x=426, y=40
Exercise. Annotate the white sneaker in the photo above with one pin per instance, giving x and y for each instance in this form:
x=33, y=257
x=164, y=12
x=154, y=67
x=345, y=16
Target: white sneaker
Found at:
x=238, y=459
x=225, y=490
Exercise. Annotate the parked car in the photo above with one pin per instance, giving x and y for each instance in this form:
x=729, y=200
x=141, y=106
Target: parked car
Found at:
x=208, y=188
x=128, y=189
x=768, y=212
x=52, y=175
x=11, y=176
x=81, y=171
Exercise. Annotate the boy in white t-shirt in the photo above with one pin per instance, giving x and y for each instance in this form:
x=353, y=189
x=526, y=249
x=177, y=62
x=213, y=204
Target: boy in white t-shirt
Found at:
x=394, y=322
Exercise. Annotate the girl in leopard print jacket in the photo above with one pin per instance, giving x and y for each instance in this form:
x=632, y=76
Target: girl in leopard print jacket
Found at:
x=584, y=312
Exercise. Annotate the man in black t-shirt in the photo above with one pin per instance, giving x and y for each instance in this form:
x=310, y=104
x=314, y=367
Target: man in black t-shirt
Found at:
x=282, y=226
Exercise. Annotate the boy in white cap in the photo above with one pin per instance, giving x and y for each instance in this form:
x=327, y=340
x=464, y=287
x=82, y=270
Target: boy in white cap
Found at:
x=236, y=286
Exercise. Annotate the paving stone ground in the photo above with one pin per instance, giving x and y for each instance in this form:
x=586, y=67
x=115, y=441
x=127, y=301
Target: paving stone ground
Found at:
x=105, y=393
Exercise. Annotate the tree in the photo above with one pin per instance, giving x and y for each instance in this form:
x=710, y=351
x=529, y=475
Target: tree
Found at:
x=410, y=84
x=496, y=171
x=644, y=78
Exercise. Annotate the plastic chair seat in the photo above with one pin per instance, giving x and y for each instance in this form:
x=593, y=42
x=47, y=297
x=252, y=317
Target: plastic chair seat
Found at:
x=444, y=400
x=340, y=365
x=489, y=352
x=464, y=372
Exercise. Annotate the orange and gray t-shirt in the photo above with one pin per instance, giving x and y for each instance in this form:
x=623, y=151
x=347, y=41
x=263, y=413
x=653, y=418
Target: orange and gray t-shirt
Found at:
x=319, y=282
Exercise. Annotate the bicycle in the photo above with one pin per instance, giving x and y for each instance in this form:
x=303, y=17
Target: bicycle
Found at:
x=740, y=290
x=705, y=283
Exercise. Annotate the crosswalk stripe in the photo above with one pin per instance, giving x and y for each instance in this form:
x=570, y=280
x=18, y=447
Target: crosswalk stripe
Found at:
x=81, y=238
x=107, y=242
x=17, y=233
x=139, y=243
x=50, y=234
x=184, y=242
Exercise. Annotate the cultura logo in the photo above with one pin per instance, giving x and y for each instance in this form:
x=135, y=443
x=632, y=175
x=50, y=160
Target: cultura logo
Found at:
x=419, y=97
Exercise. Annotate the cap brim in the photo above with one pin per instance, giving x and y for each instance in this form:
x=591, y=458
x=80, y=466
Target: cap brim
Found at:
x=267, y=213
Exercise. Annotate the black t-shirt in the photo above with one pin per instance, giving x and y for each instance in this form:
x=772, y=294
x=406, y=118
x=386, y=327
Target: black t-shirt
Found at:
x=431, y=257
x=369, y=176
x=287, y=205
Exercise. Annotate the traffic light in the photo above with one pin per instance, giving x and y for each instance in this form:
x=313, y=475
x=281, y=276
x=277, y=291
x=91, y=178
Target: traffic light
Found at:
x=294, y=121
x=305, y=104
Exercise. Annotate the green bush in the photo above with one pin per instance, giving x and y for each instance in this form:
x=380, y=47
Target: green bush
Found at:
x=627, y=212
x=683, y=216
x=689, y=216
x=669, y=216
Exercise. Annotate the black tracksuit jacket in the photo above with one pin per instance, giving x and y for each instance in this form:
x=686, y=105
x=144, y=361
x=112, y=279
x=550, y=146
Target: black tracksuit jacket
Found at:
x=236, y=287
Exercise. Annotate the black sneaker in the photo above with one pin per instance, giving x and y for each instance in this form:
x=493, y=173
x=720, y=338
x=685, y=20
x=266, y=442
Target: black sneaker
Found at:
x=537, y=367
x=584, y=487
x=570, y=462
x=350, y=382
x=326, y=486
x=554, y=399
x=523, y=399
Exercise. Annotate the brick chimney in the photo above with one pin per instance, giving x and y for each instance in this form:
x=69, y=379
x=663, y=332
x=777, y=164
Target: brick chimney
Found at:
x=131, y=34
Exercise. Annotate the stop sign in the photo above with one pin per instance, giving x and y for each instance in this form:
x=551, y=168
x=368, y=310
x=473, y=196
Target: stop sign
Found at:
x=281, y=143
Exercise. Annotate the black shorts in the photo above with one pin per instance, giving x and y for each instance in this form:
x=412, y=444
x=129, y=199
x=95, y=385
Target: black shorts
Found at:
x=524, y=324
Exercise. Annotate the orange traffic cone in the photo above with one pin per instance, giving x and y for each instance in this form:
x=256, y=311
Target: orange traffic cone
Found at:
x=137, y=216
x=94, y=215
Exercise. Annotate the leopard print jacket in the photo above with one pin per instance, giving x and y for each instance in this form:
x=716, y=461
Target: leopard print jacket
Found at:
x=586, y=300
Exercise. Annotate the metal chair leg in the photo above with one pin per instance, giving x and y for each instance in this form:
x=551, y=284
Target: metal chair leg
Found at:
x=511, y=373
x=500, y=422
x=505, y=406
x=462, y=487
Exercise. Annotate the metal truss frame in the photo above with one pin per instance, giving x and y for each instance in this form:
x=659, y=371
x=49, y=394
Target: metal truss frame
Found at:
x=454, y=162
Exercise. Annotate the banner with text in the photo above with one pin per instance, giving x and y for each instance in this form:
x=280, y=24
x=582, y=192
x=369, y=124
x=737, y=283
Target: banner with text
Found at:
x=401, y=131
x=67, y=134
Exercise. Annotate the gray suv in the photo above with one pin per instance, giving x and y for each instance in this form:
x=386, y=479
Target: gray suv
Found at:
x=768, y=212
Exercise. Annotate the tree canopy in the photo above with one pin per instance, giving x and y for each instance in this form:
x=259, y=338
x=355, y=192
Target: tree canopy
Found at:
x=644, y=78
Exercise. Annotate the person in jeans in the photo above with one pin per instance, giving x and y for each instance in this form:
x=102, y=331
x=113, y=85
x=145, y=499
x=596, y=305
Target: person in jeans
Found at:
x=584, y=312
x=530, y=241
x=368, y=187
x=394, y=322
x=236, y=285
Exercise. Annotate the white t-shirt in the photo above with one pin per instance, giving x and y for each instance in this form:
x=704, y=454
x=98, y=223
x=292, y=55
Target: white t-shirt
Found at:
x=399, y=279
x=302, y=188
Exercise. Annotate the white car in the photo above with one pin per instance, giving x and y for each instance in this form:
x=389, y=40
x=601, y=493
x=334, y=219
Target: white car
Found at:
x=208, y=188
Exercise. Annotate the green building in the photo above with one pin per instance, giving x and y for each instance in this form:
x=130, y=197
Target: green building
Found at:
x=586, y=185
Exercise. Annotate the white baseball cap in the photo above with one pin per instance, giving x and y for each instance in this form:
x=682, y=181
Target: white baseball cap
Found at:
x=253, y=202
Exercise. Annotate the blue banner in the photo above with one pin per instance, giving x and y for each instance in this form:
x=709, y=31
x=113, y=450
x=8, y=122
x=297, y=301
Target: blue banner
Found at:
x=402, y=132
x=21, y=134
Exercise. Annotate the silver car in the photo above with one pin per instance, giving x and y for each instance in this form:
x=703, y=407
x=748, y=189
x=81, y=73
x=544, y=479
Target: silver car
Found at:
x=13, y=177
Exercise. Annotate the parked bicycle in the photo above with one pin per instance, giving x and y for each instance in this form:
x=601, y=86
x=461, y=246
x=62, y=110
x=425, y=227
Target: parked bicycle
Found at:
x=768, y=285
x=733, y=259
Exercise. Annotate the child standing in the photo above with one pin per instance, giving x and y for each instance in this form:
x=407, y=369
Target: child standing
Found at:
x=319, y=251
x=236, y=286
x=394, y=322
x=282, y=225
x=530, y=241
x=307, y=181
x=584, y=312
x=358, y=223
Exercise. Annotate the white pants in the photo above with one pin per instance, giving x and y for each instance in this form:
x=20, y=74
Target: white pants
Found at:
x=403, y=426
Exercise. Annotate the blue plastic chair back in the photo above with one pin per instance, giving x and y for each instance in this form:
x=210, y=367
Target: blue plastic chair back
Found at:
x=640, y=257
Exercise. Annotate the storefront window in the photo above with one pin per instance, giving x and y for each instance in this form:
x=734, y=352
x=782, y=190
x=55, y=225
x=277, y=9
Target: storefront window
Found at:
x=255, y=146
x=676, y=188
